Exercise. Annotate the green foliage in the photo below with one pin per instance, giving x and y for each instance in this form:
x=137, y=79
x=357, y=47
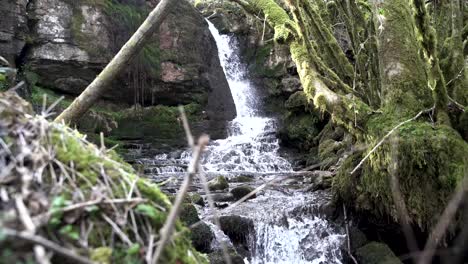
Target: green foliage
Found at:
x=3, y=82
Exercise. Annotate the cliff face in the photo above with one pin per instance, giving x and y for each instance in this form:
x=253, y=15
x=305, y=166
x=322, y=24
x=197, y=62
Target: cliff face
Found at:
x=13, y=28
x=70, y=41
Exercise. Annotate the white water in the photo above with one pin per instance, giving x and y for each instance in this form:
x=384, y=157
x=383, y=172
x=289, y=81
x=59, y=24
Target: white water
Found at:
x=251, y=145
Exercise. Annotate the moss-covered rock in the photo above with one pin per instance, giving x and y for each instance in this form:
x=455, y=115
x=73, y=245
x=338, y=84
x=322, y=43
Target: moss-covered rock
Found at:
x=237, y=228
x=242, y=191
x=427, y=159
x=188, y=214
x=217, y=257
x=202, y=236
x=218, y=184
x=242, y=178
x=376, y=253
x=197, y=199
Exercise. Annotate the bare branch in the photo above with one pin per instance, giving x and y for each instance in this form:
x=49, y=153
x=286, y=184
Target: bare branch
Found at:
x=166, y=230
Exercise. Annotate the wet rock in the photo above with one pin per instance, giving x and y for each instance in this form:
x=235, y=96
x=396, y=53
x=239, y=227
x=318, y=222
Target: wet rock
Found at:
x=241, y=191
x=188, y=214
x=237, y=228
x=357, y=237
x=217, y=257
x=376, y=253
x=322, y=180
x=222, y=197
x=242, y=178
x=197, y=199
x=13, y=29
x=202, y=236
x=291, y=84
x=218, y=184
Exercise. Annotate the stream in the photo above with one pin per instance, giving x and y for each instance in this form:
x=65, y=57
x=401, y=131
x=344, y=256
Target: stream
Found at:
x=289, y=225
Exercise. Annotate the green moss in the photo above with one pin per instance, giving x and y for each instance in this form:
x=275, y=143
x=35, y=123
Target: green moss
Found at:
x=376, y=253
x=160, y=121
x=89, y=163
x=428, y=160
x=218, y=184
x=188, y=214
x=3, y=82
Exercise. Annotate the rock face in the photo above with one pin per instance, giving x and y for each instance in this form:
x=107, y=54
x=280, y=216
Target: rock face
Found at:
x=71, y=41
x=13, y=29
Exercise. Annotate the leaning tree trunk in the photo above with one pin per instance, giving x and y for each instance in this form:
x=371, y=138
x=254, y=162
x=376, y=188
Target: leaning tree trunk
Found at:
x=396, y=83
x=117, y=65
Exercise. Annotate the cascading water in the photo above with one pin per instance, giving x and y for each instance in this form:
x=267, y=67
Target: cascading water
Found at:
x=284, y=232
x=251, y=145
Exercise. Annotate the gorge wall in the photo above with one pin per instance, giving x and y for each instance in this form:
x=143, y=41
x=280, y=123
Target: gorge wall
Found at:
x=59, y=46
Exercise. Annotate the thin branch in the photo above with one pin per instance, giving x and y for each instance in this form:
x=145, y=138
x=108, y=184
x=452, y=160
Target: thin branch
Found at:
x=447, y=216
x=166, y=230
x=189, y=136
x=347, y=236
x=64, y=252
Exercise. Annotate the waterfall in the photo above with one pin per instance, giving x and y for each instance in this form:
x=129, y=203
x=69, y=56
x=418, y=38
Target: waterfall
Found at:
x=285, y=230
x=252, y=144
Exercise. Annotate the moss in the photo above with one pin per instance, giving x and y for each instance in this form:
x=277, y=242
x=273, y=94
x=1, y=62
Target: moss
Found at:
x=376, y=253
x=428, y=159
x=3, y=82
x=101, y=255
x=241, y=191
x=218, y=184
x=161, y=121
x=188, y=214
x=88, y=161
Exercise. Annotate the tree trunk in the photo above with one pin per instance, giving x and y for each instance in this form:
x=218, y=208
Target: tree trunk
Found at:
x=117, y=65
x=400, y=83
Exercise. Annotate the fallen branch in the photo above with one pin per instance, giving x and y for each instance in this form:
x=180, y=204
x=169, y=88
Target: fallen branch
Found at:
x=64, y=252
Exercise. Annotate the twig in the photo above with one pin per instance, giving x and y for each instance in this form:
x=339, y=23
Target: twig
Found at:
x=347, y=235
x=204, y=182
x=39, y=251
x=444, y=222
x=387, y=135
x=47, y=244
x=117, y=229
x=16, y=87
x=168, y=227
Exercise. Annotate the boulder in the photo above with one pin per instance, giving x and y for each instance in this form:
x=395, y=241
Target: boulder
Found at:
x=217, y=257
x=188, y=214
x=202, y=236
x=242, y=178
x=241, y=191
x=237, y=228
x=218, y=184
x=376, y=253
x=197, y=199
x=13, y=29
x=74, y=40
